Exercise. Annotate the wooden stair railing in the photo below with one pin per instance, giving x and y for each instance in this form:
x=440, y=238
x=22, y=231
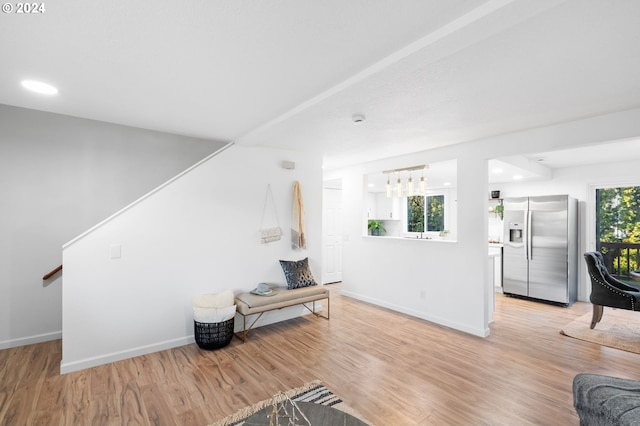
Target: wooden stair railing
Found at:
x=52, y=273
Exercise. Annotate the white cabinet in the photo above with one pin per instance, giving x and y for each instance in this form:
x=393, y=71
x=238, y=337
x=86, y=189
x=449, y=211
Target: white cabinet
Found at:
x=494, y=279
x=381, y=207
x=387, y=208
x=372, y=210
x=496, y=252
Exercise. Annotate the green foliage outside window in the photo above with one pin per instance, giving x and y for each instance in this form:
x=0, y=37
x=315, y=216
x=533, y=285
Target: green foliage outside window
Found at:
x=432, y=214
x=435, y=213
x=618, y=211
x=415, y=214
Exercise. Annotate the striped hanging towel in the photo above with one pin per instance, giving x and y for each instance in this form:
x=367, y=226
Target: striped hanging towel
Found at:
x=298, y=234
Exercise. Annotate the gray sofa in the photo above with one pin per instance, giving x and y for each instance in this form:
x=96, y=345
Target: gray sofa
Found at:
x=604, y=400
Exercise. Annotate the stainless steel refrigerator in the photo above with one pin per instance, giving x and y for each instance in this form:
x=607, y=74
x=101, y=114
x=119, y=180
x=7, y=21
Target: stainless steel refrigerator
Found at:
x=540, y=254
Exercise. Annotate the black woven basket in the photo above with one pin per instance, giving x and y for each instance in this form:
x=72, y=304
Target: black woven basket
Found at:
x=214, y=335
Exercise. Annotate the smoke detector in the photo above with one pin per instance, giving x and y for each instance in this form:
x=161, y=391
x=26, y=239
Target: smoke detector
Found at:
x=358, y=118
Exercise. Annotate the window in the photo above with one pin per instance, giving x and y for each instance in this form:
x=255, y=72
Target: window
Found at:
x=425, y=213
x=415, y=214
x=618, y=229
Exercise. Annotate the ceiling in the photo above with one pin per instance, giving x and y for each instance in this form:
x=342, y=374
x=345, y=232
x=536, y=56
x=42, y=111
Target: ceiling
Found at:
x=541, y=165
x=535, y=166
x=610, y=153
x=292, y=73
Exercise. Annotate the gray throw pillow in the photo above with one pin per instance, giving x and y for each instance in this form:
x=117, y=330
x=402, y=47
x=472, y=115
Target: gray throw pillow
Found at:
x=297, y=273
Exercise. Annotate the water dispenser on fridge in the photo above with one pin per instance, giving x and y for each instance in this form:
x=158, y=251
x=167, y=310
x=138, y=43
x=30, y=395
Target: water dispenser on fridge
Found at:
x=515, y=232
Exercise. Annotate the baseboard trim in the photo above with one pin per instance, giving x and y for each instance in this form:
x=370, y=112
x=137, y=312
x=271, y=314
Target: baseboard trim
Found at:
x=69, y=367
x=24, y=341
x=81, y=364
x=418, y=314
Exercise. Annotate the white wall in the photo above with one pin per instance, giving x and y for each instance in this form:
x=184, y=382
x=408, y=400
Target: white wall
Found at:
x=199, y=234
x=423, y=278
x=445, y=282
x=59, y=176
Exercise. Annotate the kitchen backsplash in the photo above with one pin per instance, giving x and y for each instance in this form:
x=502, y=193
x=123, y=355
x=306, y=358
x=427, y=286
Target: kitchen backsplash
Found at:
x=495, y=228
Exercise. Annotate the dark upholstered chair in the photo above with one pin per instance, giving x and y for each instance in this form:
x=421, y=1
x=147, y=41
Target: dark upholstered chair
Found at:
x=608, y=291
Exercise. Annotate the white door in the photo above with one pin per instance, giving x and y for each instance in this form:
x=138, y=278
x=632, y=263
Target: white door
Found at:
x=332, y=235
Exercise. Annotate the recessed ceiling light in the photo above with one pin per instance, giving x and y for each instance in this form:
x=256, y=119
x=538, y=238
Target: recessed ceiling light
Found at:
x=39, y=87
x=517, y=177
x=497, y=170
x=447, y=184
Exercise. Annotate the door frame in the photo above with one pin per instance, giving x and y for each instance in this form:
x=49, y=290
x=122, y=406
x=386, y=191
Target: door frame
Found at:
x=330, y=186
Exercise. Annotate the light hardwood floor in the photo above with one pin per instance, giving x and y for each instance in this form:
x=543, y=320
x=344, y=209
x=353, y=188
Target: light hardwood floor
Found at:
x=392, y=368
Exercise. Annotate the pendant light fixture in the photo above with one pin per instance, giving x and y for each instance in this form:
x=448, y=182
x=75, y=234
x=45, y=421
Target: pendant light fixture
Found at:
x=410, y=186
x=422, y=189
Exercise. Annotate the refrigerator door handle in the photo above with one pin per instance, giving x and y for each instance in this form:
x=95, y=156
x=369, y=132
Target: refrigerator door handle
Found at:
x=529, y=226
x=525, y=236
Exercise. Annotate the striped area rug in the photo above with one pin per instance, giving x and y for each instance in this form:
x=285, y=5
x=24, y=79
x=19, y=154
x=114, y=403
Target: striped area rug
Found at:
x=313, y=392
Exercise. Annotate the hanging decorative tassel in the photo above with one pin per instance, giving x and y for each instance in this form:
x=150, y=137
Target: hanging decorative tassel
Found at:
x=298, y=234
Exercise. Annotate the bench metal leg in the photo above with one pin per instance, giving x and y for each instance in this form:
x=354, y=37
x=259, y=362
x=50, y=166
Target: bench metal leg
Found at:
x=243, y=334
x=313, y=310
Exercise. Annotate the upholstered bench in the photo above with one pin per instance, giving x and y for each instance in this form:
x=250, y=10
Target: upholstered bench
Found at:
x=604, y=400
x=251, y=304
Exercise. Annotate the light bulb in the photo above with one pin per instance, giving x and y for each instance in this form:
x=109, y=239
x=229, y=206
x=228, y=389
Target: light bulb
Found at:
x=423, y=186
x=399, y=188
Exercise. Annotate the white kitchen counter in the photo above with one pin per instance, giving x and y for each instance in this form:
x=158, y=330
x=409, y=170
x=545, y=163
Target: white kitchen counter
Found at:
x=431, y=240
